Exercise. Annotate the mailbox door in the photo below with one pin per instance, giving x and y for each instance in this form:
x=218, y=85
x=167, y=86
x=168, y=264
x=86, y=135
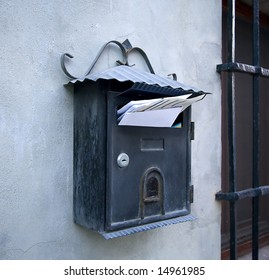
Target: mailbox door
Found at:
x=154, y=184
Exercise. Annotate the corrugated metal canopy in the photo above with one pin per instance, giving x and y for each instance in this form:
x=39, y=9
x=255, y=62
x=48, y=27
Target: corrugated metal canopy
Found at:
x=126, y=73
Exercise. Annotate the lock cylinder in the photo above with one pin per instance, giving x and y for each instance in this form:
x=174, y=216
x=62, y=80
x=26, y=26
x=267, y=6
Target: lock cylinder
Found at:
x=123, y=160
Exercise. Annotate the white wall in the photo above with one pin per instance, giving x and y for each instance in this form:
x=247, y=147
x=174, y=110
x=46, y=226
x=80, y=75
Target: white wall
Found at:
x=36, y=120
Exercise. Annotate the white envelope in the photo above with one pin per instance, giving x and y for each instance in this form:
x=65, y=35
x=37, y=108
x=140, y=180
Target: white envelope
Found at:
x=153, y=118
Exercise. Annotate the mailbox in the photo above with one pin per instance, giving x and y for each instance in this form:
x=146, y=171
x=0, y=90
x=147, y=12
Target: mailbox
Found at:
x=129, y=178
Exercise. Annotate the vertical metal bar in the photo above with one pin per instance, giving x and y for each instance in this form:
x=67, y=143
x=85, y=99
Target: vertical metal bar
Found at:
x=256, y=116
x=231, y=128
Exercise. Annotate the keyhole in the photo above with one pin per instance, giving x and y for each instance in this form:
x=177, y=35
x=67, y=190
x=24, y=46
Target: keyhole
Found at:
x=123, y=160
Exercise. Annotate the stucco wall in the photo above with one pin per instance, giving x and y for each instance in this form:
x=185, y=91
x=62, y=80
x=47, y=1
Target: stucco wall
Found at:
x=36, y=120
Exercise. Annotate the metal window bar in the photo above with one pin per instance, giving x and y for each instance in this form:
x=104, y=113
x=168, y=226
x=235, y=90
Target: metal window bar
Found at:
x=257, y=71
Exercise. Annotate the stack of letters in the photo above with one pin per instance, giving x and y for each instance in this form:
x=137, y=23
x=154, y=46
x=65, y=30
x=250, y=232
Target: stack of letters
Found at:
x=159, y=112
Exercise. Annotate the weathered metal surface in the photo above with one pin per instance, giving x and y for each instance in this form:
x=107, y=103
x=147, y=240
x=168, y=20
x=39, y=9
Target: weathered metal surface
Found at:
x=144, y=90
x=126, y=49
x=124, y=232
x=232, y=129
x=108, y=197
x=256, y=125
x=256, y=71
x=247, y=193
x=121, y=46
x=244, y=68
x=155, y=184
x=89, y=156
x=126, y=73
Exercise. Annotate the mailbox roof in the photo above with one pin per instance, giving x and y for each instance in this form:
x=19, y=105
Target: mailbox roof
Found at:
x=126, y=73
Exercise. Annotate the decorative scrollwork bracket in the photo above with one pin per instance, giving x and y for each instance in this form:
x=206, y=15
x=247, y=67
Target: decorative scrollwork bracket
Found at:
x=125, y=47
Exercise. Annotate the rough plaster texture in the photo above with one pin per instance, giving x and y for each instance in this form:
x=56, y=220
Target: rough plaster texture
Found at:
x=36, y=120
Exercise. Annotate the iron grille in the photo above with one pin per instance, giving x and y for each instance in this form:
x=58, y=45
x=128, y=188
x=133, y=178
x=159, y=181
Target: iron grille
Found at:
x=256, y=71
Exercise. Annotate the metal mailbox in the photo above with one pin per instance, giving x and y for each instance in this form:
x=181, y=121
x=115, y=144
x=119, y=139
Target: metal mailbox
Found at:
x=128, y=178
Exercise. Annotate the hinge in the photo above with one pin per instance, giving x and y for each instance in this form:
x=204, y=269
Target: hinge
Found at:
x=192, y=131
x=191, y=193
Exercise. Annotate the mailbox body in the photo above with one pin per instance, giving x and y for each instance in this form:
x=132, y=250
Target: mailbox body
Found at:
x=153, y=188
